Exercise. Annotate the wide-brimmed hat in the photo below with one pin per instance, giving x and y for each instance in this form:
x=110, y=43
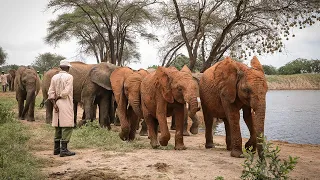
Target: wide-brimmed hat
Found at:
x=65, y=63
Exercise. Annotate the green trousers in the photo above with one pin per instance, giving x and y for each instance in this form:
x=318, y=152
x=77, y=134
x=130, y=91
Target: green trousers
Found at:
x=62, y=133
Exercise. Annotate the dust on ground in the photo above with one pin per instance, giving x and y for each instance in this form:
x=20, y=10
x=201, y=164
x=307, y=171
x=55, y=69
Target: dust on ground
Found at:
x=194, y=163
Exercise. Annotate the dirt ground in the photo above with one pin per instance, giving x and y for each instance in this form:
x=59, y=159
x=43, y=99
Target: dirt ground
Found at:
x=194, y=163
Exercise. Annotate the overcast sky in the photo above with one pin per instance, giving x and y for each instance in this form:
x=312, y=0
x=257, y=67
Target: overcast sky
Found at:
x=23, y=26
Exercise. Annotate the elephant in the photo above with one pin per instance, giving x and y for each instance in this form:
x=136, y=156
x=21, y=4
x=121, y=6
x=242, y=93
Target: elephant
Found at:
x=27, y=86
x=164, y=93
x=227, y=87
x=195, y=121
x=91, y=85
x=12, y=72
x=125, y=84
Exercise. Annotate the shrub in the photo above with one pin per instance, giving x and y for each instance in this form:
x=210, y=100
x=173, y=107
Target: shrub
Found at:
x=269, y=167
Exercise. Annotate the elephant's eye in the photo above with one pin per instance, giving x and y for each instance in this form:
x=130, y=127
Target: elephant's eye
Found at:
x=247, y=90
x=180, y=89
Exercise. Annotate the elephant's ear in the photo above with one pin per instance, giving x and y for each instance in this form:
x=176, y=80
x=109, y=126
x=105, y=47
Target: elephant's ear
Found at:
x=230, y=76
x=163, y=81
x=256, y=64
x=100, y=74
x=186, y=69
x=38, y=83
x=18, y=83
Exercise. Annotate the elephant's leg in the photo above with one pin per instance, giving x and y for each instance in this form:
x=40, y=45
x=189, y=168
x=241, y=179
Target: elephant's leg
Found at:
x=87, y=106
x=165, y=135
x=179, y=117
x=31, y=110
x=233, y=117
x=208, y=120
x=228, y=134
x=94, y=112
x=75, y=112
x=195, y=124
x=21, y=107
x=133, y=120
x=152, y=125
x=112, y=110
x=144, y=129
x=247, y=116
x=49, y=110
x=104, y=104
x=185, y=124
x=173, y=122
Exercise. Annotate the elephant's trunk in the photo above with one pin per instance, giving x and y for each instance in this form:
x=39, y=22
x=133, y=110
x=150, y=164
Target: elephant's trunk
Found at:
x=259, y=117
x=193, y=105
x=30, y=97
x=136, y=106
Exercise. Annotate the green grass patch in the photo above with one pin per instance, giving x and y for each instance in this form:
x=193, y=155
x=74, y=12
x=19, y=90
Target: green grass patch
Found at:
x=15, y=160
x=92, y=135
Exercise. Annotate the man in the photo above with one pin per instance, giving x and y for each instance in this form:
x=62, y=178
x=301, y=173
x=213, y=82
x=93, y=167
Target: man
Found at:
x=60, y=93
x=4, y=81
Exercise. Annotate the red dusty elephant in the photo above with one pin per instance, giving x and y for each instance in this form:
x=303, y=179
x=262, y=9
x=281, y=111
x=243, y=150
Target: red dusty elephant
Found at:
x=164, y=93
x=125, y=84
x=227, y=87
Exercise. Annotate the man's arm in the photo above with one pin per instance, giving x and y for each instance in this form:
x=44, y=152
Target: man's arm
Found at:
x=52, y=95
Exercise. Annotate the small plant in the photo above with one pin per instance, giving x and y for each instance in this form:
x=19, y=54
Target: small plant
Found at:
x=269, y=167
x=219, y=178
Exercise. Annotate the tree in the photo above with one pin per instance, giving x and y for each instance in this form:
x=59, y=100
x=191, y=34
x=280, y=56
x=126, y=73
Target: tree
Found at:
x=115, y=23
x=240, y=28
x=299, y=66
x=182, y=60
x=46, y=61
x=269, y=70
x=3, y=56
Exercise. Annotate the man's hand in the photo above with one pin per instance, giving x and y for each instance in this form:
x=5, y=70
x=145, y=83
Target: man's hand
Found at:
x=59, y=97
x=56, y=108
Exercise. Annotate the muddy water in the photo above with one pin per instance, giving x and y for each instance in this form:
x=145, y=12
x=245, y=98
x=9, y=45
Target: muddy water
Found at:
x=292, y=116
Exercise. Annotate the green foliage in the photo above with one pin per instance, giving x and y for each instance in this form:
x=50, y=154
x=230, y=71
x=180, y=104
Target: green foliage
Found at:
x=270, y=167
x=219, y=178
x=182, y=60
x=269, y=70
x=6, y=68
x=300, y=66
x=15, y=160
x=92, y=135
x=3, y=56
x=46, y=61
x=153, y=67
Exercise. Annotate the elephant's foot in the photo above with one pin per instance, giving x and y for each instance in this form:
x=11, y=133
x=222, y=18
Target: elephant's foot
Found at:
x=154, y=144
x=82, y=122
x=194, y=128
x=172, y=128
x=30, y=119
x=185, y=133
x=209, y=145
x=124, y=135
x=229, y=147
x=21, y=118
x=143, y=133
x=180, y=147
x=251, y=144
x=237, y=153
x=164, y=140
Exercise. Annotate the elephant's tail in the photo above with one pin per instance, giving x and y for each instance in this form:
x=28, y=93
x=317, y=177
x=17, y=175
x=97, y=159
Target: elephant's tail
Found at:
x=43, y=102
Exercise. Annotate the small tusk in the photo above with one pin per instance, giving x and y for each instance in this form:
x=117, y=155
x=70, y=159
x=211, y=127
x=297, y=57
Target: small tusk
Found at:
x=128, y=106
x=252, y=112
x=198, y=99
x=187, y=105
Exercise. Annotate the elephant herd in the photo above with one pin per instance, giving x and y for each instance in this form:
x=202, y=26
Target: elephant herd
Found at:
x=221, y=92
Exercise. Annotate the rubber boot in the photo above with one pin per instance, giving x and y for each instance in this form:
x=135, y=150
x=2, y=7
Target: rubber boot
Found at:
x=64, y=150
x=56, y=150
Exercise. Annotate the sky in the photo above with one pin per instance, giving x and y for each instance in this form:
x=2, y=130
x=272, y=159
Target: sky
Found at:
x=23, y=26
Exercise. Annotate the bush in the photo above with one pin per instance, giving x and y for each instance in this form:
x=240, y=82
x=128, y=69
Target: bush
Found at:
x=269, y=167
x=15, y=160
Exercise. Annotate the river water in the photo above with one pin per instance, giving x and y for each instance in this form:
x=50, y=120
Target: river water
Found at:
x=291, y=115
